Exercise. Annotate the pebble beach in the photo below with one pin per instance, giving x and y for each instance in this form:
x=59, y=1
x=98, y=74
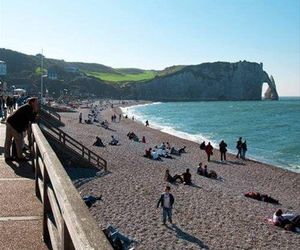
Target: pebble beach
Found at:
x=210, y=214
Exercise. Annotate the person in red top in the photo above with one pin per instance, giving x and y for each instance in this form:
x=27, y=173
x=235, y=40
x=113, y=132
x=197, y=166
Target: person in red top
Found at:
x=209, y=151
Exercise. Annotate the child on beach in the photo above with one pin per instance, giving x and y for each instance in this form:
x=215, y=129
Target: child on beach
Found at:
x=166, y=201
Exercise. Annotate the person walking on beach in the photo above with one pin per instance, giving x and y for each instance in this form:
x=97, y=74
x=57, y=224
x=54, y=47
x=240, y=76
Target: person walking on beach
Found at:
x=166, y=201
x=243, y=150
x=80, y=117
x=239, y=147
x=147, y=123
x=209, y=151
x=223, y=150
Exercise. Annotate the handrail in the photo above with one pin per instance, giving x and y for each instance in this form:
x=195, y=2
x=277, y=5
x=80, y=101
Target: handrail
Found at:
x=50, y=112
x=70, y=142
x=67, y=223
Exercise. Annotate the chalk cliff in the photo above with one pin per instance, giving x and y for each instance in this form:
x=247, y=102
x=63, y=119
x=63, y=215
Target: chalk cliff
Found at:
x=208, y=81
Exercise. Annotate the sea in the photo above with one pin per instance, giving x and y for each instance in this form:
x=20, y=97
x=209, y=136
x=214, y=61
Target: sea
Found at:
x=271, y=128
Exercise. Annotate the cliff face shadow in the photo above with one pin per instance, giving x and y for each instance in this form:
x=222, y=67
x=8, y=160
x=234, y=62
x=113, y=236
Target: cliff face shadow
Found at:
x=186, y=236
x=1, y=150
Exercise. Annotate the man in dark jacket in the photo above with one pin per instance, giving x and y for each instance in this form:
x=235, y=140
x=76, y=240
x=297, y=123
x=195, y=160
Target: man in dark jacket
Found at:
x=16, y=124
x=239, y=147
x=223, y=150
x=166, y=200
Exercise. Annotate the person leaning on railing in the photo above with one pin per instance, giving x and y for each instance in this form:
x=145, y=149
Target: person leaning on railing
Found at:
x=16, y=124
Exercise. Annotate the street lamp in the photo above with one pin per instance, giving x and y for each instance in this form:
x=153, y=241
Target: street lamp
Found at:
x=42, y=76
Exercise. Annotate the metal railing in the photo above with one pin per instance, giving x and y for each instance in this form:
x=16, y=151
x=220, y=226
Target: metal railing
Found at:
x=73, y=144
x=49, y=111
x=67, y=223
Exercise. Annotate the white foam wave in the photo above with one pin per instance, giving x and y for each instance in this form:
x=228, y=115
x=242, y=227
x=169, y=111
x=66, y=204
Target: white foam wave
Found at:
x=198, y=138
x=139, y=105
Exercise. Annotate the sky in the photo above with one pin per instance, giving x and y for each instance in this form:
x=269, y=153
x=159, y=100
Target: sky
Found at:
x=154, y=34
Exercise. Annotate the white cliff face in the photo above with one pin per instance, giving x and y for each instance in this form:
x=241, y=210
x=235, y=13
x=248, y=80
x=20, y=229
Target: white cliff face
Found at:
x=271, y=92
x=208, y=81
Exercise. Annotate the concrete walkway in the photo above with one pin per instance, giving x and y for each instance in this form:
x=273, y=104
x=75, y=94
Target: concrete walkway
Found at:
x=20, y=209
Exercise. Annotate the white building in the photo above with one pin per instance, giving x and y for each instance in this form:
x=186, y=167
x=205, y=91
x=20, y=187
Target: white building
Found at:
x=2, y=68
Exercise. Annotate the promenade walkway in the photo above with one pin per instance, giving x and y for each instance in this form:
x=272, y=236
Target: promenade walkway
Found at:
x=20, y=209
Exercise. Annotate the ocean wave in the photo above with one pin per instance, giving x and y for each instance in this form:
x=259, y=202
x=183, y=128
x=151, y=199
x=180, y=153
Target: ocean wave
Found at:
x=140, y=117
x=174, y=120
x=140, y=105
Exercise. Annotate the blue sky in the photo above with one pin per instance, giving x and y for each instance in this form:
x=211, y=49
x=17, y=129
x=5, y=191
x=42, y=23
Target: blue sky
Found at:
x=154, y=34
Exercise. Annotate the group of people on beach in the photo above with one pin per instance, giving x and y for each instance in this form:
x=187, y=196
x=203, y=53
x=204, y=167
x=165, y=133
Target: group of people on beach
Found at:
x=240, y=145
x=163, y=150
x=134, y=137
x=166, y=199
x=114, y=118
x=99, y=142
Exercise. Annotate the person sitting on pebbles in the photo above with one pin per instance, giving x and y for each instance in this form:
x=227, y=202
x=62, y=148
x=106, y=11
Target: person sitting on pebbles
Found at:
x=287, y=221
x=114, y=141
x=204, y=172
x=172, y=179
x=98, y=142
x=187, y=177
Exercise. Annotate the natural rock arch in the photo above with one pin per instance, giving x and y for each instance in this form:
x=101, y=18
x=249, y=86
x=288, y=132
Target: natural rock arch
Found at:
x=271, y=92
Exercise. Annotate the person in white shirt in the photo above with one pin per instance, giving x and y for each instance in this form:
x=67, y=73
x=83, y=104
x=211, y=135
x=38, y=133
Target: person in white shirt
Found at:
x=282, y=220
x=154, y=155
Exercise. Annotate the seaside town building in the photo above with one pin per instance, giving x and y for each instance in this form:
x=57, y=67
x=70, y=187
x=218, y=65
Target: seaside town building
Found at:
x=2, y=68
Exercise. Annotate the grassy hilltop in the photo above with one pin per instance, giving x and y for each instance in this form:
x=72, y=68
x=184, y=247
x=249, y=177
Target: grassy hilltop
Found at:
x=27, y=66
x=119, y=77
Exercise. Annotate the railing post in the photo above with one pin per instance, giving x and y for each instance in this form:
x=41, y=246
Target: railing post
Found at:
x=82, y=151
x=37, y=172
x=65, y=239
x=89, y=156
x=46, y=207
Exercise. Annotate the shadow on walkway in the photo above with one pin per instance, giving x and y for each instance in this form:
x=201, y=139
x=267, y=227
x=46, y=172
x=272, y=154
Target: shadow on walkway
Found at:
x=186, y=236
x=23, y=169
x=1, y=150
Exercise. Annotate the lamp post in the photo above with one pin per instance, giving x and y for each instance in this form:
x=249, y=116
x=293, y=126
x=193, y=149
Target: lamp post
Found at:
x=42, y=75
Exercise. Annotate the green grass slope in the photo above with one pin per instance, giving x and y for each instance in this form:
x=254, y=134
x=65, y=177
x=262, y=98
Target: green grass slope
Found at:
x=119, y=77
